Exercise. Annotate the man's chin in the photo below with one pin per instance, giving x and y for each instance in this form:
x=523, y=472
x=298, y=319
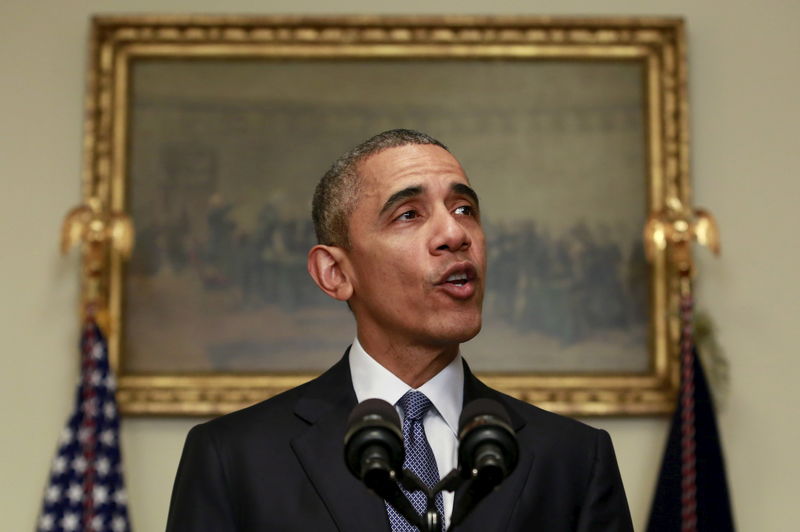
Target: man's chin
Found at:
x=463, y=332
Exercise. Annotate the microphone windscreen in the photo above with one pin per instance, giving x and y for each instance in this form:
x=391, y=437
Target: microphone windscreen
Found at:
x=374, y=408
x=482, y=407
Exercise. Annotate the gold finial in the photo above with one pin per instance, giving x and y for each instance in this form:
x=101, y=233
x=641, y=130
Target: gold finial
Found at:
x=97, y=231
x=91, y=224
x=675, y=227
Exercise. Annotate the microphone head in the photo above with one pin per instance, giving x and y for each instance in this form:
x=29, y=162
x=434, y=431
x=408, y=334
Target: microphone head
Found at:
x=488, y=449
x=373, y=438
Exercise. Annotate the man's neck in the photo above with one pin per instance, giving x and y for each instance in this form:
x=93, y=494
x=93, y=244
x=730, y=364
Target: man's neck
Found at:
x=412, y=363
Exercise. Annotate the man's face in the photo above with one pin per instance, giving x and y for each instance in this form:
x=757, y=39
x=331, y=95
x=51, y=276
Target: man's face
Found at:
x=417, y=254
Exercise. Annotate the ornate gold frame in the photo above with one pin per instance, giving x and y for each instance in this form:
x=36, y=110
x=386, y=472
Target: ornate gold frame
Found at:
x=658, y=42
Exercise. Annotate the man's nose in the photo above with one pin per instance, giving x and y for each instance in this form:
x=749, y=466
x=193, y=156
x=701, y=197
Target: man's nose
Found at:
x=448, y=233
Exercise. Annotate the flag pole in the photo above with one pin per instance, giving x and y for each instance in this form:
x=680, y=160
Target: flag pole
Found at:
x=687, y=420
x=691, y=494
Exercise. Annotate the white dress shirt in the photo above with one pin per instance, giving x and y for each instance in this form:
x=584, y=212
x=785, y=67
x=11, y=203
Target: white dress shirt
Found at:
x=445, y=390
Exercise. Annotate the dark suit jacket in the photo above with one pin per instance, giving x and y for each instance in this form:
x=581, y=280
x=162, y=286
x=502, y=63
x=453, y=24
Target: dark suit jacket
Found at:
x=279, y=466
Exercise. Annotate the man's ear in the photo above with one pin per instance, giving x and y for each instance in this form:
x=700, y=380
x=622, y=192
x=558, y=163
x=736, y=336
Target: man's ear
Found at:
x=328, y=266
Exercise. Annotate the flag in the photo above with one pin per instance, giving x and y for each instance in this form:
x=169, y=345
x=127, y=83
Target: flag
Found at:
x=692, y=490
x=86, y=491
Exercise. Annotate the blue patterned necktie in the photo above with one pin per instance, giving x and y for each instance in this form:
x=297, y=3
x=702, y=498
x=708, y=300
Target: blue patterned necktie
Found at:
x=419, y=458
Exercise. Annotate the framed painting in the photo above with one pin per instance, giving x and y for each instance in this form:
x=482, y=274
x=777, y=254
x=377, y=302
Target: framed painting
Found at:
x=211, y=133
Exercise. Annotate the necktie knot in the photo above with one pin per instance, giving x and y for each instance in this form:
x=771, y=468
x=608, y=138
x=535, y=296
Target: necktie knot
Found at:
x=414, y=404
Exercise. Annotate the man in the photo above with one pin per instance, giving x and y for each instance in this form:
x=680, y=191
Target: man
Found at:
x=400, y=240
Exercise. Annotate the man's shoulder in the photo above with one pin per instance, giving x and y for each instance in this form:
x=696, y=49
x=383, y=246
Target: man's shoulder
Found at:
x=279, y=414
x=548, y=431
x=528, y=417
x=258, y=420
x=560, y=445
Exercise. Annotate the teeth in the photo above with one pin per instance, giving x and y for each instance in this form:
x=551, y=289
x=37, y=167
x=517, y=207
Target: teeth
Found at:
x=457, y=277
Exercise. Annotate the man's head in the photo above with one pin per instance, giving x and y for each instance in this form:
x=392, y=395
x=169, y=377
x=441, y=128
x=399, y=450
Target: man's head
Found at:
x=408, y=252
x=336, y=193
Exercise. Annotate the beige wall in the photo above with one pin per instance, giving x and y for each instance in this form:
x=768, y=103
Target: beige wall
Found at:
x=744, y=70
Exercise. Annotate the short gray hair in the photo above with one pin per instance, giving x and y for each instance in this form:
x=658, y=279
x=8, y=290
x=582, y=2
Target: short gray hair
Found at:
x=337, y=192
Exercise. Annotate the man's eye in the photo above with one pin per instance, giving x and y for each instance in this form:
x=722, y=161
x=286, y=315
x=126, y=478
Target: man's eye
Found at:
x=465, y=210
x=408, y=215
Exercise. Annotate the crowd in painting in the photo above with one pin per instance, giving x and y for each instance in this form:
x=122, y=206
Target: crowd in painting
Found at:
x=567, y=287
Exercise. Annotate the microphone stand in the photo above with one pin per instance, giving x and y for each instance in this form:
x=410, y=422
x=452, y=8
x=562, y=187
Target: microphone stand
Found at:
x=430, y=521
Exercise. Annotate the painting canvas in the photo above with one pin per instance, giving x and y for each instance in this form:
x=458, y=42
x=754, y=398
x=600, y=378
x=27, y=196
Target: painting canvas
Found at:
x=211, y=133
x=224, y=157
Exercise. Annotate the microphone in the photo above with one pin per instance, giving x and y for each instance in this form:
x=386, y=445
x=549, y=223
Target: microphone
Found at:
x=374, y=454
x=487, y=452
x=373, y=443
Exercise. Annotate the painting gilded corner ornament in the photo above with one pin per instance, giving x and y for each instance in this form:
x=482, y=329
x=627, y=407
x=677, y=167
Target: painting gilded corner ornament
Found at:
x=208, y=135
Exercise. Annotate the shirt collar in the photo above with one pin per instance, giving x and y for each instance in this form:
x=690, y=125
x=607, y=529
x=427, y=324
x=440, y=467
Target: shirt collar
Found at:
x=445, y=390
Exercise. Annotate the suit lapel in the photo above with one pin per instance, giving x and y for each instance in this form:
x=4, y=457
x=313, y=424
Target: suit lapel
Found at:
x=325, y=406
x=494, y=512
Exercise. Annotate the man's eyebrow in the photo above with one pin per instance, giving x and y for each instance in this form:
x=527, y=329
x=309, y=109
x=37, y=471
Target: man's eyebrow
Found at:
x=401, y=195
x=466, y=190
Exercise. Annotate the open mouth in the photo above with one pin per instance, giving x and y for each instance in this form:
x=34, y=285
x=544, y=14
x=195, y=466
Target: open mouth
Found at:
x=458, y=279
x=458, y=275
